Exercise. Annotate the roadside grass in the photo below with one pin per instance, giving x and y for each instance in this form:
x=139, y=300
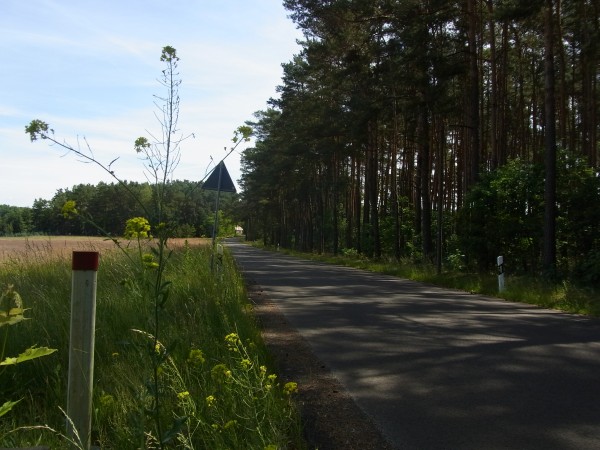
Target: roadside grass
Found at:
x=564, y=296
x=218, y=384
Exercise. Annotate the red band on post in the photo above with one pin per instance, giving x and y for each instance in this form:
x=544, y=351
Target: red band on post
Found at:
x=85, y=261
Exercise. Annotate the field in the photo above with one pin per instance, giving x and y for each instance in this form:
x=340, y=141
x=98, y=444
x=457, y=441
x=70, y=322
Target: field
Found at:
x=183, y=364
x=65, y=245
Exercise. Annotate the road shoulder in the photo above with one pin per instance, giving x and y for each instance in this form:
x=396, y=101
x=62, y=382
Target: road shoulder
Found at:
x=330, y=417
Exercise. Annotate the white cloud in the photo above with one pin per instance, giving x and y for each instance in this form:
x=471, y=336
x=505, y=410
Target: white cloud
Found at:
x=90, y=68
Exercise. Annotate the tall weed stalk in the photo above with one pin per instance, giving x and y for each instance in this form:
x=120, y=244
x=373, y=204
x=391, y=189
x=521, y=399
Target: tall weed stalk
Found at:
x=216, y=383
x=161, y=155
x=171, y=406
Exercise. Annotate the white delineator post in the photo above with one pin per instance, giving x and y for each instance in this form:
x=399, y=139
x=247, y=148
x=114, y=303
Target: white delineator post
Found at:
x=500, y=262
x=81, y=346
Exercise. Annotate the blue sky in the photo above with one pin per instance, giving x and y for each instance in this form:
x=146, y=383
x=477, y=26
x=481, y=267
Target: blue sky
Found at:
x=90, y=69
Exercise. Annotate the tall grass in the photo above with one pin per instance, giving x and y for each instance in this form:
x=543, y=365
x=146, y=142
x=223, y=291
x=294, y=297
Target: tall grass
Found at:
x=217, y=385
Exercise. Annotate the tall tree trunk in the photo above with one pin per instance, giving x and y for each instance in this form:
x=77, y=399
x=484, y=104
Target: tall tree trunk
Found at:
x=349, y=207
x=424, y=170
x=562, y=90
x=473, y=119
x=589, y=63
x=439, y=170
x=358, y=205
x=595, y=64
x=394, y=187
x=494, y=103
x=367, y=244
x=336, y=212
x=549, y=236
x=502, y=131
x=374, y=204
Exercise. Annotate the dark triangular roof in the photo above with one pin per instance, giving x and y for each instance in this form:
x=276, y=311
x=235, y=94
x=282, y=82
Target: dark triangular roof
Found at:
x=212, y=183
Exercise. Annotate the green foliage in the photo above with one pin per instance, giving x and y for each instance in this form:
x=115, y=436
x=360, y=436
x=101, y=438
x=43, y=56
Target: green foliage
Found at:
x=11, y=305
x=188, y=210
x=15, y=220
x=38, y=129
x=137, y=228
x=141, y=144
x=7, y=407
x=27, y=355
x=147, y=275
x=221, y=415
x=504, y=216
x=578, y=221
x=169, y=54
x=243, y=133
x=201, y=311
x=394, y=109
x=565, y=296
x=11, y=313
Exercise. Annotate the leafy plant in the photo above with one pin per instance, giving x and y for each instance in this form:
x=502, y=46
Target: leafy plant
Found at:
x=161, y=156
x=11, y=313
x=147, y=280
x=201, y=311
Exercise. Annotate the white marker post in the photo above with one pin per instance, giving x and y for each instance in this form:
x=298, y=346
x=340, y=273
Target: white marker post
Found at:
x=81, y=346
x=500, y=262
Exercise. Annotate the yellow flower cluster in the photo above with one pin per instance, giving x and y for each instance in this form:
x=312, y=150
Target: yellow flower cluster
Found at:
x=69, y=209
x=210, y=401
x=233, y=342
x=148, y=261
x=220, y=372
x=196, y=357
x=290, y=388
x=137, y=228
x=246, y=364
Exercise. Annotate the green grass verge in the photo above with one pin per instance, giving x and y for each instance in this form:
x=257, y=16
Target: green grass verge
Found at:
x=564, y=296
x=217, y=379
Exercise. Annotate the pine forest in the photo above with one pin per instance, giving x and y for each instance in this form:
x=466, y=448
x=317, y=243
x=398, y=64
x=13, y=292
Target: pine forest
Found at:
x=447, y=132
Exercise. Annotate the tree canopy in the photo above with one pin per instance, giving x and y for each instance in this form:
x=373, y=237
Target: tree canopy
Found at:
x=432, y=129
x=188, y=210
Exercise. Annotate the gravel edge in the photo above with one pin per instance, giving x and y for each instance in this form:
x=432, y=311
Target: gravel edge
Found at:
x=330, y=417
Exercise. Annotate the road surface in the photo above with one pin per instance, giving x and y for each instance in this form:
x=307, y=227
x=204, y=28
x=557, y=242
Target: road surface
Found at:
x=442, y=369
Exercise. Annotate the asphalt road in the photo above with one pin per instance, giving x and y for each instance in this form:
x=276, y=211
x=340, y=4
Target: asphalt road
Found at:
x=442, y=369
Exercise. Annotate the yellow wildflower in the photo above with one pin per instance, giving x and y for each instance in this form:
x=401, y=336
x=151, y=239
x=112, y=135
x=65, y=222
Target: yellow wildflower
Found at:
x=137, y=228
x=148, y=261
x=219, y=372
x=246, y=363
x=233, y=342
x=290, y=388
x=196, y=357
x=69, y=209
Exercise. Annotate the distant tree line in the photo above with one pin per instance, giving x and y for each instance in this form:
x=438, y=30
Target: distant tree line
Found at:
x=188, y=210
x=444, y=131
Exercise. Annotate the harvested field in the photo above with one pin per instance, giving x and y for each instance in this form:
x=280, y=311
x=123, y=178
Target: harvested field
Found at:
x=63, y=246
